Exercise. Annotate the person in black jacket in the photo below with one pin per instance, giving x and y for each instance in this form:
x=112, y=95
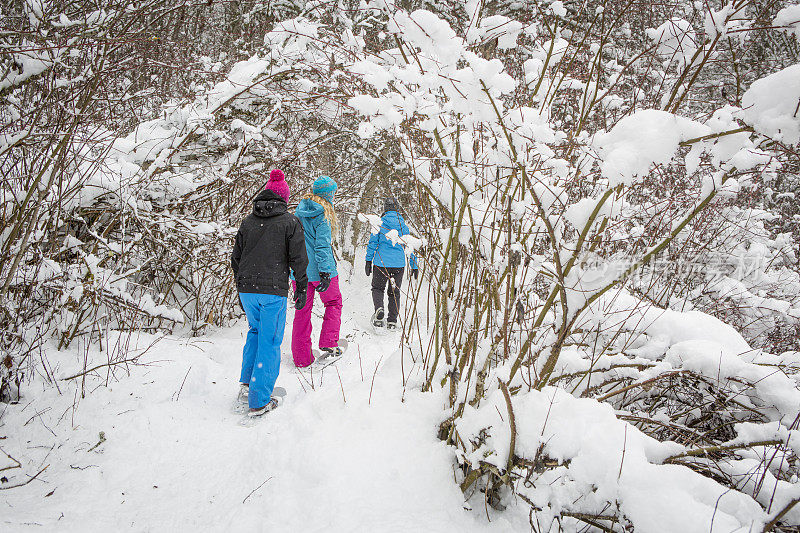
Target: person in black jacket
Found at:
x=270, y=241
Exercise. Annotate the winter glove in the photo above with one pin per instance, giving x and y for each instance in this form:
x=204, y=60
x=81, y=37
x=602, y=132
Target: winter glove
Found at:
x=299, y=300
x=368, y=268
x=324, y=282
x=415, y=272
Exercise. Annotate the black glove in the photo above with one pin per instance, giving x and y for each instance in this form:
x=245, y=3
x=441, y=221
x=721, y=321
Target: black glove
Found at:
x=415, y=272
x=368, y=268
x=299, y=300
x=324, y=282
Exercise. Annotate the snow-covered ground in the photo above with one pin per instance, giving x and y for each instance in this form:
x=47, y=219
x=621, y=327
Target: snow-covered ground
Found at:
x=344, y=455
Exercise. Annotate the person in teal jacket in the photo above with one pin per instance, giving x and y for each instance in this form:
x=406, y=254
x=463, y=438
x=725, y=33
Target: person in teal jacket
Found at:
x=389, y=260
x=318, y=218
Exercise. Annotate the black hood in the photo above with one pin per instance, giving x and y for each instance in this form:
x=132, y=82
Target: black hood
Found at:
x=269, y=245
x=269, y=204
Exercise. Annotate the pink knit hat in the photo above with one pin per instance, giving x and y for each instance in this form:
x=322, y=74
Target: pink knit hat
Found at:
x=277, y=183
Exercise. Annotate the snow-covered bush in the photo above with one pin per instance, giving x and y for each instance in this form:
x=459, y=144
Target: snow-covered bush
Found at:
x=128, y=168
x=91, y=240
x=544, y=214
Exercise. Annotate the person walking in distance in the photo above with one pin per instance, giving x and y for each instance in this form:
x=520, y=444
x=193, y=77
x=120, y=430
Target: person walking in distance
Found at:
x=269, y=242
x=389, y=260
x=316, y=213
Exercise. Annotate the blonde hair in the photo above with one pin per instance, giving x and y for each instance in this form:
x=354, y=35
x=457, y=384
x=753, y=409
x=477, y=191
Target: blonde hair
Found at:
x=330, y=214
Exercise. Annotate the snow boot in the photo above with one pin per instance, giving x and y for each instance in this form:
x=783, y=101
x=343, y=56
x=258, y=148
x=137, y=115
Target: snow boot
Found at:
x=324, y=357
x=391, y=325
x=273, y=403
x=331, y=353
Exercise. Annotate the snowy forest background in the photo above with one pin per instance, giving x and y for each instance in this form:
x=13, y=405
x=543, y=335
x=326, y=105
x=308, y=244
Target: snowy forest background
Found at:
x=602, y=195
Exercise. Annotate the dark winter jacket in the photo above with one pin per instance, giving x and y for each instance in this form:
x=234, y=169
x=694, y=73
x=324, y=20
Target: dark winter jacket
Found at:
x=318, y=239
x=270, y=241
x=382, y=252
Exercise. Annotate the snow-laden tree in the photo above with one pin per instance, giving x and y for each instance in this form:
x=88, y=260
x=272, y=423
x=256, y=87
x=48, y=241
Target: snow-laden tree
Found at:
x=548, y=225
x=584, y=180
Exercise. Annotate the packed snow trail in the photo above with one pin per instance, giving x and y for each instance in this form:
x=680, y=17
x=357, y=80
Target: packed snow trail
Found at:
x=347, y=455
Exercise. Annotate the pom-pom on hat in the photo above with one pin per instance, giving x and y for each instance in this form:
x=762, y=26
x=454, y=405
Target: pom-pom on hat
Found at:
x=325, y=187
x=277, y=183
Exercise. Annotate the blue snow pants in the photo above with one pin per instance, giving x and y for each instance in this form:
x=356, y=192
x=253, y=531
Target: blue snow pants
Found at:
x=261, y=357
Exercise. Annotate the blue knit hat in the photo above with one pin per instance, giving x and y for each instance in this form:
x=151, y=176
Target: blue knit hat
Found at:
x=325, y=187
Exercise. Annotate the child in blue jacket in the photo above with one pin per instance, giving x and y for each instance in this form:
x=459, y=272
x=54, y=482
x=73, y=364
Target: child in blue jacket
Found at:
x=316, y=213
x=389, y=260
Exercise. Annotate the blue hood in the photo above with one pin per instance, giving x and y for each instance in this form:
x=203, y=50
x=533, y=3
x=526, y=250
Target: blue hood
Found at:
x=391, y=220
x=308, y=208
x=318, y=237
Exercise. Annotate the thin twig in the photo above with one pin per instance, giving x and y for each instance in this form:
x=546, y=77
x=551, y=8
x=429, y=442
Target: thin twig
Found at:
x=341, y=386
x=624, y=446
x=255, y=489
x=18, y=465
x=113, y=363
x=639, y=384
x=723, y=448
x=23, y=484
x=178, y=395
x=373, y=380
x=780, y=515
x=360, y=368
x=512, y=423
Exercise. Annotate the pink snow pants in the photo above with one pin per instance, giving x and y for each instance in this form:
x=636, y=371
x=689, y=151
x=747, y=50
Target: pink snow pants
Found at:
x=331, y=322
